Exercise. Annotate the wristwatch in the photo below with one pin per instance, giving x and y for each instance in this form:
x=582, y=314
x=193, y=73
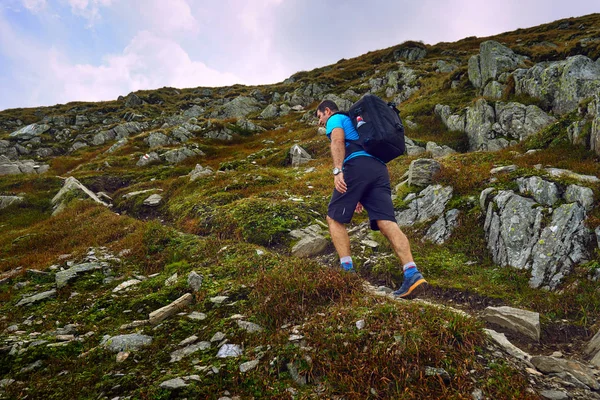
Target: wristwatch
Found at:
x=336, y=171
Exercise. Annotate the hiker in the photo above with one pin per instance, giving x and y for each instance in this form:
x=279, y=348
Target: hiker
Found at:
x=362, y=182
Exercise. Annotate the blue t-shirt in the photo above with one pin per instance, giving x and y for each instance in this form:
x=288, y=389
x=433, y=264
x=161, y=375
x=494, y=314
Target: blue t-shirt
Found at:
x=343, y=121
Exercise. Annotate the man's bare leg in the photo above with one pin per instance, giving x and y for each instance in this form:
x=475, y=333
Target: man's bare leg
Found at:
x=397, y=239
x=339, y=236
x=413, y=282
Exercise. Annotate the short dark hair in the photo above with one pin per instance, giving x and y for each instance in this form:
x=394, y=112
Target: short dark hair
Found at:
x=327, y=104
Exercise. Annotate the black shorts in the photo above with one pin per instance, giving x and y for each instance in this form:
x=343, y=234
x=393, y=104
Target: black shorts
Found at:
x=368, y=182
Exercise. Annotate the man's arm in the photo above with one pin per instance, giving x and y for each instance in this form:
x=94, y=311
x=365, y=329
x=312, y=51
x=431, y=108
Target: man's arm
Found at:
x=338, y=153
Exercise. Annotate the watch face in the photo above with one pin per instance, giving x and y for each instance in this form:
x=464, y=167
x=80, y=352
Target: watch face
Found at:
x=336, y=171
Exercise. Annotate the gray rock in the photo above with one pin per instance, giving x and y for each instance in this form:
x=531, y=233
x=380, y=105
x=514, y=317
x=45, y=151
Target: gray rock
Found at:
x=580, y=194
x=4, y=383
x=271, y=111
x=217, y=337
x=422, y=170
x=542, y=191
x=554, y=395
x=157, y=139
x=147, y=159
x=64, y=277
x=439, y=151
x=173, y=384
x=193, y=112
x=410, y=53
x=200, y=172
x=132, y=100
x=582, y=373
x=153, y=200
x=239, y=107
x=119, y=144
x=26, y=301
x=311, y=243
x=131, y=342
x=299, y=156
x=444, y=67
x=30, y=131
x=510, y=348
x=523, y=322
x=492, y=60
x=180, y=354
x=430, y=203
x=247, y=366
x=494, y=90
x=229, y=350
x=512, y=227
x=503, y=170
x=6, y=201
x=300, y=379
x=561, y=245
x=250, y=327
x=181, y=134
x=73, y=186
x=194, y=281
x=442, y=229
x=176, y=156
x=564, y=173
x=439, y=373
x=560, y=84
x=197, y=316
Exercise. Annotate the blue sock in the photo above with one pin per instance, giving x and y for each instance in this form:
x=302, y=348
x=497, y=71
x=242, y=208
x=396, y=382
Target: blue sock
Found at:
x=410, y=269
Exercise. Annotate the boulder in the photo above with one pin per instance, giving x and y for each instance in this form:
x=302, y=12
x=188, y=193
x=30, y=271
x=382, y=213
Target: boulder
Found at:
x=523, y=322
x=422, y=171
x=493, y=59
x=129, y=342
x=176, y=156
x=157, y=139
x=299, y=156
x=410, y=53
x=439, y=151
x=561, y=85
x=29, y=132
x=429, y=203
x=237, y=108
x=72, y=185
x=582, y=373
x=147, y=159
x=200, y=172
x=28, y=300
x=442, y=229
x=132, y=100
x=6, y=201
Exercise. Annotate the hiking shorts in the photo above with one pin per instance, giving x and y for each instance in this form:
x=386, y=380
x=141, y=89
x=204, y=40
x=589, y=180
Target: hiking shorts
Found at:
x=368, y=182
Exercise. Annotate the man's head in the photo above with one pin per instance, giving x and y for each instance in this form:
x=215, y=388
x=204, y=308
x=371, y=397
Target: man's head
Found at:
x=325, y=110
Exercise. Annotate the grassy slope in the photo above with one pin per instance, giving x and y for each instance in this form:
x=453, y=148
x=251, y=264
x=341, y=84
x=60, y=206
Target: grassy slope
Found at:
x=227, y=217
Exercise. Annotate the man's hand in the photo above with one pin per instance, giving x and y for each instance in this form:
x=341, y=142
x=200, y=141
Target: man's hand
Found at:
x=340, y=183
x=359, y=208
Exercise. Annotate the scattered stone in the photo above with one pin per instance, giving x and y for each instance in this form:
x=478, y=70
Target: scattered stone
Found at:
x=188, y=341
x=503, y=170
x=582, y=373
x=31, y=367
x=178, y=355
x=421, y=171
x=172, y=280
x=173, y=384
x=247, y=366
x=122, y=356
x=218, y=299
x=438, y=372
x=148, y=158
x=153, y=201
x=195, y=281
x=554, y=395
x=200, y=172
x=516, y=320
x=299, y=379
x=134, y=324
x=197, y=316
x=26, y=301
x=250, y=327
x=72, y=185
x=299, y=156
x=165, y=312
x=217, y=337
x=130, y=342
x=62, y=278
x=6, y=201
x=229, y=350
x=511, y=349
x=360, y=324
x=295, y=338
x=126, y=284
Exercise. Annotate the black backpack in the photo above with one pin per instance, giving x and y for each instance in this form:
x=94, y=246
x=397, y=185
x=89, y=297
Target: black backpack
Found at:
x=380, y=129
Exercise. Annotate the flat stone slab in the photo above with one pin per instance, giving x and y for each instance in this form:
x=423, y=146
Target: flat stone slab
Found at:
x=130, y=342
x=180, y=354
x=510, y=348
x=64, y=277
x=549, y=365
x=25, y=301
x=519, y=321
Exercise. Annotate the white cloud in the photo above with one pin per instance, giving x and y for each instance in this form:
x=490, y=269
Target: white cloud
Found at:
x=89, y=9
x=34, y=5
x=166, y=17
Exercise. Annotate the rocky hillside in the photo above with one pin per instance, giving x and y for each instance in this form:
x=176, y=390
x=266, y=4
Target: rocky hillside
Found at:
x=171, y=243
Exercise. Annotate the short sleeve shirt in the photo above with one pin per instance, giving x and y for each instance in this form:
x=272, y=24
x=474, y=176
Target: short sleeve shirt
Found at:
x=343, y=121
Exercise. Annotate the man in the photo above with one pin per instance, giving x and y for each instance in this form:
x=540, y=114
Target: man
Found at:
x=362, y=181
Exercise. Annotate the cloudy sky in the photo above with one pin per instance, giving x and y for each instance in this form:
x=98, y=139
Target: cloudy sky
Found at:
x=56, y=51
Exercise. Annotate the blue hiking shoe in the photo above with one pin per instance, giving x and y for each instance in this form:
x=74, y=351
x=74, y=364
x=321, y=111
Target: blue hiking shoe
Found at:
x=411, y=286
x=348, y=267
